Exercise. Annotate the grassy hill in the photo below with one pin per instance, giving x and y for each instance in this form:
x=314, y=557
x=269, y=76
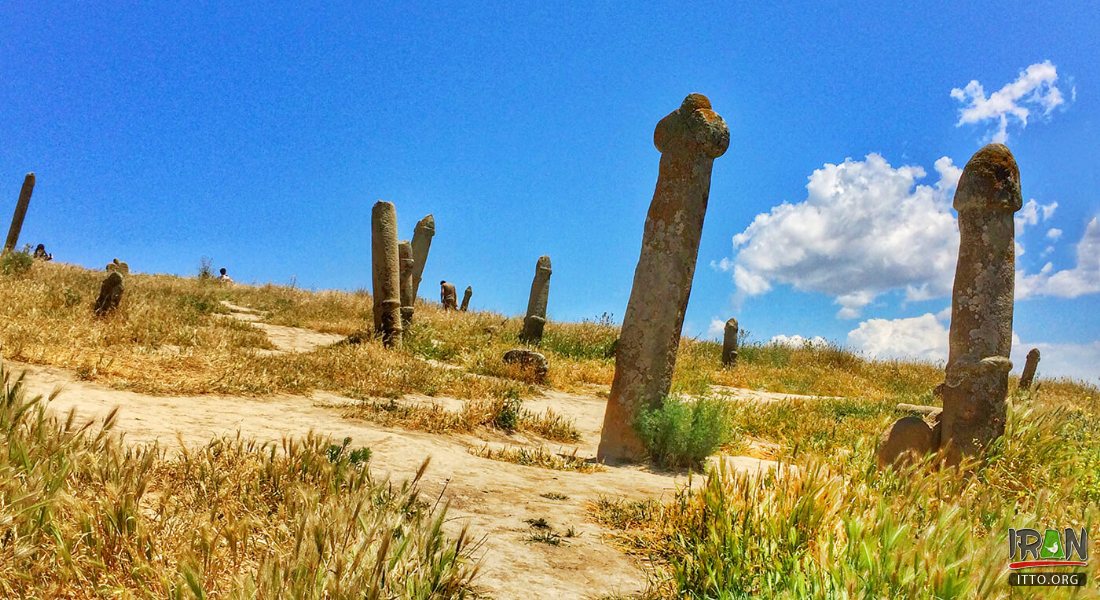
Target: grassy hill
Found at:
x=84, y=515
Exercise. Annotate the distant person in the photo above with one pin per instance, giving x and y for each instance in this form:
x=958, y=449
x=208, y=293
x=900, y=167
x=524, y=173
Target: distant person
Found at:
x=224, y=277
x=448, y=295
x=41, y=254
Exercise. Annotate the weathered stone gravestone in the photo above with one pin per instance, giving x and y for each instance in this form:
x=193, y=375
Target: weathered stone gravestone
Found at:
x=530, y=361
x=1030, y=365
x=386, y=273
x=469, y=293
x=448, y=296
x=729, y=344
x=20, y=213
x=120, y=267
x=110, y=294
x=535, y=321
x=408, y=296
x=421, y=243
x=976, y=379
x=908, y=439
x=689, y=139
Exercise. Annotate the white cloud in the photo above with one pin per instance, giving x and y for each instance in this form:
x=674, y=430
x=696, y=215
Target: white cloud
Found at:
x=1035, y=89
x=923, y=337
x=797, y=341
x=1078, y=361
x=865, y=228
x=716, y=329
x=1083, y=278
x=1054, y=233
x=926, y=337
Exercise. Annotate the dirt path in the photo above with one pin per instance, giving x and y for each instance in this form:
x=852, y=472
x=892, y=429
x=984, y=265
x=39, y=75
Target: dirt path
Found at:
x=494, y=498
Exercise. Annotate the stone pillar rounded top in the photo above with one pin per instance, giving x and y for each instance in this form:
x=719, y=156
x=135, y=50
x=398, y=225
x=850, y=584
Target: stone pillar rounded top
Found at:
x=731, y=323
x=693, y=128
x=543, y=265
x=990, y=181
x=427, y=225
x=29, y=178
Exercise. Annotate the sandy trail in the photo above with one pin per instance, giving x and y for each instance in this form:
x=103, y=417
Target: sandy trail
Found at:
x=494, y=498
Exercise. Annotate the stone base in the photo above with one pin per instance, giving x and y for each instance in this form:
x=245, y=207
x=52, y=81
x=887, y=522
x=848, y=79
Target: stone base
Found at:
x=908, y=440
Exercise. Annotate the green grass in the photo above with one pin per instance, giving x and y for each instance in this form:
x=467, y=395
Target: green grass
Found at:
x=833, y=526
x=682, y=433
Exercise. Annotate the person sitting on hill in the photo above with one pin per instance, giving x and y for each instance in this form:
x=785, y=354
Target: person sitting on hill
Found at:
x=448, y=296
x=223, y=277
x=41, y=254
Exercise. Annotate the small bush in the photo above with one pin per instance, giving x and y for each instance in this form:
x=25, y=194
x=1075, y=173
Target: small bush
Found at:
x=16, y=262
x=682, y=433
x=206, y=268
x=507, y=414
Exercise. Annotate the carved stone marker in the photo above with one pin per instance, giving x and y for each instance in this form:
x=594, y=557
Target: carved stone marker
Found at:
x=1030, y=365
x=976, y=379
x=110, y=294
x=116, y=265
x=386, y=273
x=535, y=321
x=421, y=243
x=408, y=296
x=689, y=139
x=909, y=438
x=448, y=296
x=20, y=213
x=729, y=344
x=469, y=293
x=530, y=361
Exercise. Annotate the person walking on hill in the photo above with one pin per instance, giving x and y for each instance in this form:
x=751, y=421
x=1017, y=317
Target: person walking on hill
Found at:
x=448, y=296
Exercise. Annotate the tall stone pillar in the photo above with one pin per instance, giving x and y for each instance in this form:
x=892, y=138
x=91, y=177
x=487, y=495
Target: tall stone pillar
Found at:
x=20, y=213
x=386, y=273
x=729, y=344
x=976, y=381
x=689, y=139
x=535, y=321
x=408, y=296
x=469, y=293
x=1030, y=365
x=421, y=243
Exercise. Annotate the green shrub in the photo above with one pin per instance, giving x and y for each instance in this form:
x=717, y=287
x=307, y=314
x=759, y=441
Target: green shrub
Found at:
x=507, y=414
x=683, y=433
x=16, y=262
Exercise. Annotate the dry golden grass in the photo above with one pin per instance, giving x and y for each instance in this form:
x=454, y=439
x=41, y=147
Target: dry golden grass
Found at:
x=83, y=515
x=538, y=457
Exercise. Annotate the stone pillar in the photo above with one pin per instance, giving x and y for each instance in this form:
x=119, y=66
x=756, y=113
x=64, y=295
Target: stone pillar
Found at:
x=469, y=293
x=20, y=213
x=421, y=242
x=976, y=379
x=408, y=296
x=535, y=321
x=386, y=273
x=689, y=139
x=729, y=344
x=1030, y=365
x=110, y=294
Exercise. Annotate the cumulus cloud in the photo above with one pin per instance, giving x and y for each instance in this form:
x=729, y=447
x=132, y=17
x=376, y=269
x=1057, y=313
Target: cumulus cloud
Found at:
x=926, y=337
x=923, y=337
x=1036, y=89
x=1083, y=278
x=797, y=341
x=1054, y=233
x=865, y=228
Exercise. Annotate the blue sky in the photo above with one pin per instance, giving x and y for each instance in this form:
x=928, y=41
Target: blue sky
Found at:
x=261, y=137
